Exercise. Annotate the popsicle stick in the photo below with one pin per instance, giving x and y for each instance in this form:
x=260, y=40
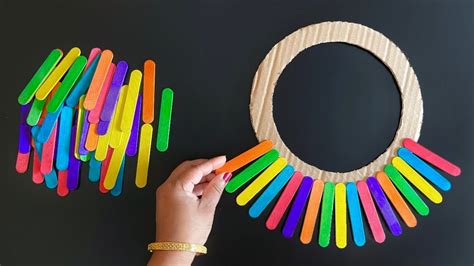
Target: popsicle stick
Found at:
x=68, y=82
x=116, y=134
x=326, y=215
x=79, y=121
x=49, y=148
x=297, y=207
x=246, y=157
x=132, y=146
x=418, y=181
x=82, y=85
x=261, y=181
x=94, y=115
x=64, y=138
x=143, y=160
x=57, y=73
x=271, y=191
x=407, y=190
x=51, y=179
x=131, y=101
x=355, y=214
x=94, y=169
x=103, y=144
x=370, y=212
x=92, y=55
x=312, y=212
x=103, y=171
x=22, y=162
x=384, y=207
x=24, y=140
x=85, y=129
x=62, y=190
x=40, y=76
x=117, y=190
x=396, y=199
x=35, y=112
x=341, y=215
x=113, y=94
x=284, y=200
x=74, y=164
x=115, y=162
x=424, y=169
x=431, y=157
x=92, y=138
x=98, y=80
x=164, y=122
x=37, y=176
x=148, y=91
x=48, y=125
x=251, y=171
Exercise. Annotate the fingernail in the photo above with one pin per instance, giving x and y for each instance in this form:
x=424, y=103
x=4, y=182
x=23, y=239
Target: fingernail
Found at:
x=227, y=177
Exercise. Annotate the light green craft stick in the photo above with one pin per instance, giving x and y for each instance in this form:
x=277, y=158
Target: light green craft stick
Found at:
x=35, y=112
x=164, y=122
x=326, y=215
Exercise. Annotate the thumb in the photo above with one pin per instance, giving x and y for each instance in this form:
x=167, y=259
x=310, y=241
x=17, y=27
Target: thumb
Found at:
x=213, y=191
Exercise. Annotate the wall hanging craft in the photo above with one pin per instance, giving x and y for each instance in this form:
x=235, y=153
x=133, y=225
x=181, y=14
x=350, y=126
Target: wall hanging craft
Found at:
x=310, y=191
x=79, y=110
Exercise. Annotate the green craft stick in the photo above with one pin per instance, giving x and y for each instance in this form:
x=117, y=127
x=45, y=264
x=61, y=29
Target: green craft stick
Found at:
x=35, y=112
x=251, y=171
x=40, y=76
x=406, y=190
x=326, y=215
x=66, y=85
x=164, y=122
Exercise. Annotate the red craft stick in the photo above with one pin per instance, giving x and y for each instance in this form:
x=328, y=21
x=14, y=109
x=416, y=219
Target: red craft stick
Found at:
x=103, y=170
x=22, y=162
x=62, y=188
x=47, y=155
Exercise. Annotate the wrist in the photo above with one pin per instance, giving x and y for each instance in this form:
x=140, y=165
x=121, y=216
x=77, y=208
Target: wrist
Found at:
x=171, y=257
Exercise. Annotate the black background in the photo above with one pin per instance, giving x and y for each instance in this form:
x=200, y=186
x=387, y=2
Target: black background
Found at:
x=335, y=106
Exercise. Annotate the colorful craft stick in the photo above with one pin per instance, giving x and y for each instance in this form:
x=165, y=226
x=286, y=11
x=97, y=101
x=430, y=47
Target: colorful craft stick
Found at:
x=326, y=215
x=261, y=181
x=131, y=101
x=57, y=73
x=64, y=138
x=407, y=190
x=85, y=129
x=49, y=149
x=78, y=127
x=48, y=125
x=115, y=162
x=418, y=181
x=116, y=134
x=432, y=157
x=132, y=146
x=271, y=192
x=51, y=180
x=62, y=190
x=355, y=214
x=424, y=169
x=37, y=176
x=103, y=144
x=396, y=199
x=40, y=76
x=297, y=207
x=117, y=190
x=370, y=212
x=164, y=122
x=113, y=94
x=67, y=83
x=24, y=140
x=22, y=162
x=74, y=164
x=143, y=160
x=340, y=215
x=103, y=171
x=93, y=54
x=82, y=85
x=92, y=138
x=284, y=200
x=35, y=112
x=94, y=115
x=384, y=206
x=246, y=157
x=251, y=171
x=312, y=212
x=98, y=80
x=94, y=169
x=148, y=91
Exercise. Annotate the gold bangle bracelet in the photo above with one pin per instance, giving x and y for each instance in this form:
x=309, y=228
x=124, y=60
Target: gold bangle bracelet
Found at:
x=177, y=246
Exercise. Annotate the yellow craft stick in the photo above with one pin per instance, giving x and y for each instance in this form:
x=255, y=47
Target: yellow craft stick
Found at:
x=80, y=114
x=261, y=181
x=341, y=216
x=417, y=180
x=103, y=143
x=117, y=134
x=144, y=149
x=131, y=101
x=57, y=73
x=115, y=162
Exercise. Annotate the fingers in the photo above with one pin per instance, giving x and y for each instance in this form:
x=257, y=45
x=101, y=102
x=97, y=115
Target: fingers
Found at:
x=197, y=171
x=213, y=191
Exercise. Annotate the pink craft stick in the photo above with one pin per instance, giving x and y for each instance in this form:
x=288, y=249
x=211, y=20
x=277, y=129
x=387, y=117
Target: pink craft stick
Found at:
x=92, y=55
x=38, y=177
x=62, y=188
x=94, y=115
x=22, y=162
x=47, y=154
x=370, y=212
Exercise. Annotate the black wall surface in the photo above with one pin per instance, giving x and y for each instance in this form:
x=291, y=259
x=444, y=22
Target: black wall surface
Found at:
x=335, y=106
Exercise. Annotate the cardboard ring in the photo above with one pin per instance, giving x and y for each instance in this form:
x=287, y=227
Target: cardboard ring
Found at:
x=266, y=77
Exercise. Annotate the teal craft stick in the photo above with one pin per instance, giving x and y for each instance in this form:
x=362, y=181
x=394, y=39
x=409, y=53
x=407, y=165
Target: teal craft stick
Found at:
x=82, y=85
x=117, y=189
x=355, y=214
x=48, y=125
x=326, y=215
x=271, y=192
x=35, y=112
x=64, y=138
x=94, y=169
x=164, y=122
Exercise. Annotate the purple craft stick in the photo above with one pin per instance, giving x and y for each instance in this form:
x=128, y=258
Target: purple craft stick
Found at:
x=74, y=164
x=85, y=128
x=24, y=142
x=384, y=206
x=102, y=127
x=115, y=86
x=24, y=111
x=297, y=207
x=133, y=142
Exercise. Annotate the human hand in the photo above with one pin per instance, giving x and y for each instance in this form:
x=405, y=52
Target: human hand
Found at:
x=185, y=206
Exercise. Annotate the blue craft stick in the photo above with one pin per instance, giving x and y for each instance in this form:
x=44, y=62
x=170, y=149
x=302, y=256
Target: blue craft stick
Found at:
x=297, y=207
x=424, y=169
x=117, y=189
x=355, y=214
x=82, y=85
x=82, y=140
x=271, y=192
x=51, y=179
x=34, y=135
x=94, y=169
x=48, y=125
x=64, y=138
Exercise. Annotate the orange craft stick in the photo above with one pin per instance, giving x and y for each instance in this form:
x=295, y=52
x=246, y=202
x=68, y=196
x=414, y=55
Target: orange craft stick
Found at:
x=312, y=212
x=246, y=157
x=394, y=196
x=94, y=115
x=92, y=138
x=148, y=112
x=98, y=80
